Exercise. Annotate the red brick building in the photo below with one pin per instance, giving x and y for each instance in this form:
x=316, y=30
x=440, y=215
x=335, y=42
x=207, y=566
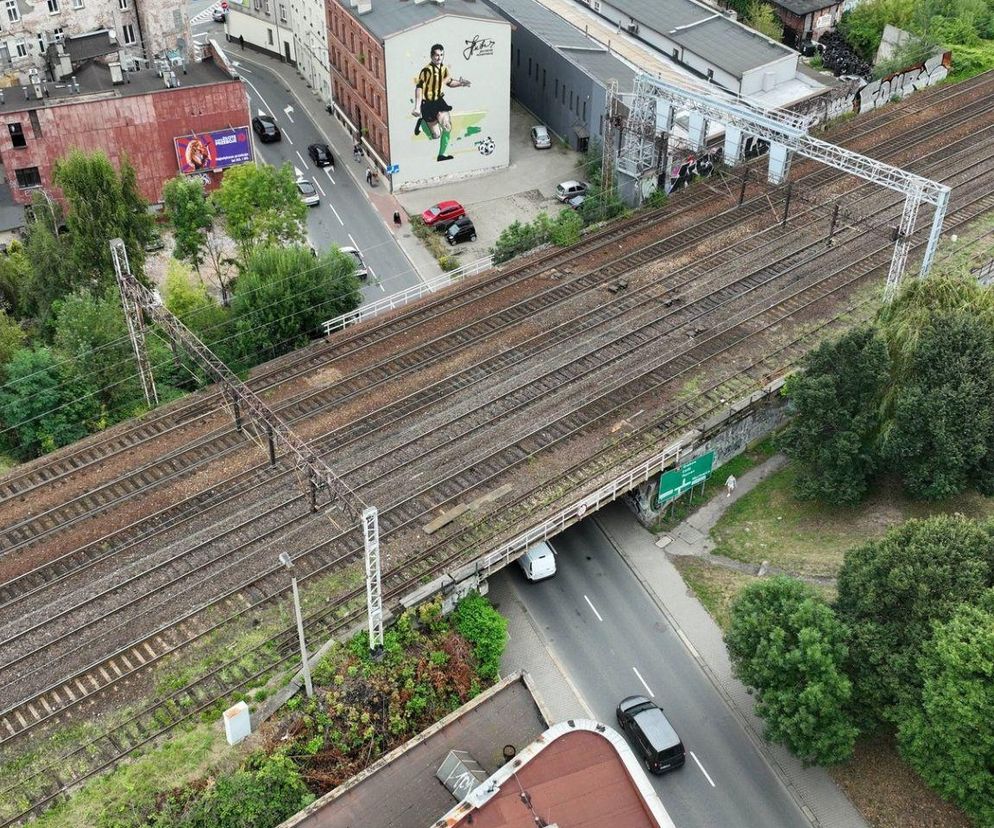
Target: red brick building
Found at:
x=138, y=118
x=806, y=19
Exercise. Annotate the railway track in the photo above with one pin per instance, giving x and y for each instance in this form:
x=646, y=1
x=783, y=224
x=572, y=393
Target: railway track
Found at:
x=251, y=595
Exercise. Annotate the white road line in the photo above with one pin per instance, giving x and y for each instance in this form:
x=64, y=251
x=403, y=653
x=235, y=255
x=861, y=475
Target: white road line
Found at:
x=332, y=206
x=706, y=774
x=287, y=137
x=259, y=96
x=356, y=246
x=646, y=686
x=585, y=598
x=318, y=185
x=329, y=176
x=301, y=157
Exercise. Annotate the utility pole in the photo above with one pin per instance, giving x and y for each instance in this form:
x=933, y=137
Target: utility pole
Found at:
x=287, y=561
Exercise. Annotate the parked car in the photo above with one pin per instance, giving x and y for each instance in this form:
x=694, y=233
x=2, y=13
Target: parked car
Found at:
x=320, y=155
x=441, y=215
x=460, y=230
x=651, y=734
x=540, y=137
x=577, y=202
x=538, y=562
x=265, y=127
x=308, y=193
x=219, y=15
x=569, y=189
x=360, y=265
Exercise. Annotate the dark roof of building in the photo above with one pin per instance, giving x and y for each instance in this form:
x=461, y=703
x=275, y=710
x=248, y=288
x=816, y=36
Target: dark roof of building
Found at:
x=95, y=79
x=577, y=773
x=90, y=45
x=401, y=790
x=803, y=7
x=388, y=17
x=11, y=213
x=706, y=32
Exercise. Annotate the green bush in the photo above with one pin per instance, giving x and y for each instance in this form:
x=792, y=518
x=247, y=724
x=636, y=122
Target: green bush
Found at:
x=565, y=230
x=480, y=624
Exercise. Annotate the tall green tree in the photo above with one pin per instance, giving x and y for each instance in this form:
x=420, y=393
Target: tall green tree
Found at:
x=788, y=645
x=191, y=214
x=103, y=204
x=42, y=404
x=15, y=282
x=187, y=298
x=285, y=293
x=764, y=20
x=52, y=276
x=12, y=337
x=261, y=206
x=942, y=428
x=836, y=398
x=891, y=590
x=949, y=737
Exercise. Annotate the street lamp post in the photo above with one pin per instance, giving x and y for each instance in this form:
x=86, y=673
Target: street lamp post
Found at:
x=287, y=561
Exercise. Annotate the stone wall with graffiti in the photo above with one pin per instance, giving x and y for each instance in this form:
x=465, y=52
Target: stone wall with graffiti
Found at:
x=901, y=84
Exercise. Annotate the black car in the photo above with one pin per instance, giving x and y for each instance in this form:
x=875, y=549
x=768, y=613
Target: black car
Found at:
x=460, y=230
x=651, y=734
x=320, y=155
x=219, y=15
x=265, y=127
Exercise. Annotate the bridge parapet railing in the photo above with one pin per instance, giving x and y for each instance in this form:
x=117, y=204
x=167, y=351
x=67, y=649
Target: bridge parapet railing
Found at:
x=404, y=297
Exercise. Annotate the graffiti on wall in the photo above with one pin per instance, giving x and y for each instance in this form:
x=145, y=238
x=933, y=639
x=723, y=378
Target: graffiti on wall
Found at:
x=901, y=84
x=687, y=169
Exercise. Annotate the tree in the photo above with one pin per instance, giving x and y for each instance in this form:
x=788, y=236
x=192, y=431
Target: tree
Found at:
x=191, y=216
x=261, y=206
x=43, y=405
x=187, y=298
x=836, y=399
x=483, y=627
x=942, y=430
x=103, y=204
x=51, y=275
x=15, y=282
x=788, y=645
x=11, y=339
x=764, y=20
x=565, y=229
x=863, y=26
x=285, y=293
x=891, y=590
x=948, y=738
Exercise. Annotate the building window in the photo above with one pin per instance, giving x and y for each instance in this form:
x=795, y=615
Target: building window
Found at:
x=543, y=80
x=42, y=43
x=282, y=13
x=710, y=74
x=22, y=48
x=269, y=33
x=58, y=35
x=557, y=89
x=571, y=100
x=28, y=177
x=129, y=34
x=17, y=135
x=13, y=13
x=584, y=111
x=53, y=7
x=77, y=4
x=123, y=4
x=529, y=67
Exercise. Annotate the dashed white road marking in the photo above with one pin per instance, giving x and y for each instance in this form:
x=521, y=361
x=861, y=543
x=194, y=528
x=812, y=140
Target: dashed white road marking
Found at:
x=318, y=185
x=638, y=675
x=590, y=604
x=302, y=161
x=356, y=246
x=706, y=774
x=332, y=206
x=329, y=176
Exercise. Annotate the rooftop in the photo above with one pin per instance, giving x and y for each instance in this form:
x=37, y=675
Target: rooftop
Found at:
x=803, y=7
x=388, y=17
x=95, y=79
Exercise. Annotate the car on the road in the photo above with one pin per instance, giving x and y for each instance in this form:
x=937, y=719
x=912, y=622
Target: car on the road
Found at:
x=540, y=137
x=460, y=230
x=651, y=734
x=308, y=192
x=265, y=127
x=577, y=202
x=219, y=15
x=360, y=265
x=538, y=562
x=441, y=215
x=320, y=155
x=569, y=189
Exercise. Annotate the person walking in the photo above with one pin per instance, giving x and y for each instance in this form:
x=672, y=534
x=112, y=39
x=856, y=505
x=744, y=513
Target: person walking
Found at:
x=369, y=176
x=730, y=485
x=241, y=41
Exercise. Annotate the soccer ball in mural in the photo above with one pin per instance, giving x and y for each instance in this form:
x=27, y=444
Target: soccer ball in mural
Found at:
x=486, y=146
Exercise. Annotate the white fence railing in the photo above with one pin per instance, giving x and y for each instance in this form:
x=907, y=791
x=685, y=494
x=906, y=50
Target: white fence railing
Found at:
x=411, y=294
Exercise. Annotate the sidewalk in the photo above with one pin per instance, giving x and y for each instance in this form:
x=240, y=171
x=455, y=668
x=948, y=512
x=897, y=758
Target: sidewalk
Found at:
x=340, y=141
x=814, y=790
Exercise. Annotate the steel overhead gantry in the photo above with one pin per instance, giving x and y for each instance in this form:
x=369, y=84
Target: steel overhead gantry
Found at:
x=136, y=298
x=655, y=103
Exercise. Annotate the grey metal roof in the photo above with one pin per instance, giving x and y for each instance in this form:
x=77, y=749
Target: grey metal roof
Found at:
x=719, y=40
x=729, y=46
x=389, y=17
x=559, y=33
x=11, y=213
x=802, y=7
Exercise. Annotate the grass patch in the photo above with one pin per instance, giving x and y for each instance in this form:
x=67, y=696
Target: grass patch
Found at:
x=809, y=538
x=714, y=586
x=678, y=509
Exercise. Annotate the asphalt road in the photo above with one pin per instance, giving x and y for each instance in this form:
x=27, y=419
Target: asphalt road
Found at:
x=612, y=641
x=344, y=217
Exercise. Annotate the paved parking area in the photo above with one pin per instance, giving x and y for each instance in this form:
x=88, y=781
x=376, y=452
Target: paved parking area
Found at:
x=518, y=193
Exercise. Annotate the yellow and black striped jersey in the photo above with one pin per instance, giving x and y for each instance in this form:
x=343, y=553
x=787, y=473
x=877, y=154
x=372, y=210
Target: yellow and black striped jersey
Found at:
x=431, y=80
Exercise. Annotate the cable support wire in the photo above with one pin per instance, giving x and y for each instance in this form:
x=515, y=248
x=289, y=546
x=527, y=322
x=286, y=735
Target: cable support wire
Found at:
x=278, y=432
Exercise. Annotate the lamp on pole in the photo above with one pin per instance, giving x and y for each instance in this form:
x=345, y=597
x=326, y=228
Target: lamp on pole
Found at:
x=287, y=561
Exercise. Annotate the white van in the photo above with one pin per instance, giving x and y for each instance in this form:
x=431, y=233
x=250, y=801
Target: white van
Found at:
x=538, y=562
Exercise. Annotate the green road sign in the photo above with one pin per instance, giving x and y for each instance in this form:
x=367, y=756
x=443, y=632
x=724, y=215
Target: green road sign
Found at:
x=676, y=481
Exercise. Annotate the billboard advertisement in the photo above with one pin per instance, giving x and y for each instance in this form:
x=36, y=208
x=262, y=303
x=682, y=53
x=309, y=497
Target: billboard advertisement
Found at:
x=448, y=98
x=206, y=151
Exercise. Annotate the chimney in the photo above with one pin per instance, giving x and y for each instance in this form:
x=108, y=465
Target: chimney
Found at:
x=364, y=6
x=65, y=65
x=38, y=89
x=116, y=73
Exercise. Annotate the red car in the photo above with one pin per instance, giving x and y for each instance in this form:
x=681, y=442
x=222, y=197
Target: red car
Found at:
x=442, y=214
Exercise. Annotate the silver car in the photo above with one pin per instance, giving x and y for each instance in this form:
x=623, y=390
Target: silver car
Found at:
x=540, y=137
x=308, y=193
x=360, y=264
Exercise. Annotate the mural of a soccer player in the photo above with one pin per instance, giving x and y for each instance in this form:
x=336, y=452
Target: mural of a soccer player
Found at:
x=430, y=107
